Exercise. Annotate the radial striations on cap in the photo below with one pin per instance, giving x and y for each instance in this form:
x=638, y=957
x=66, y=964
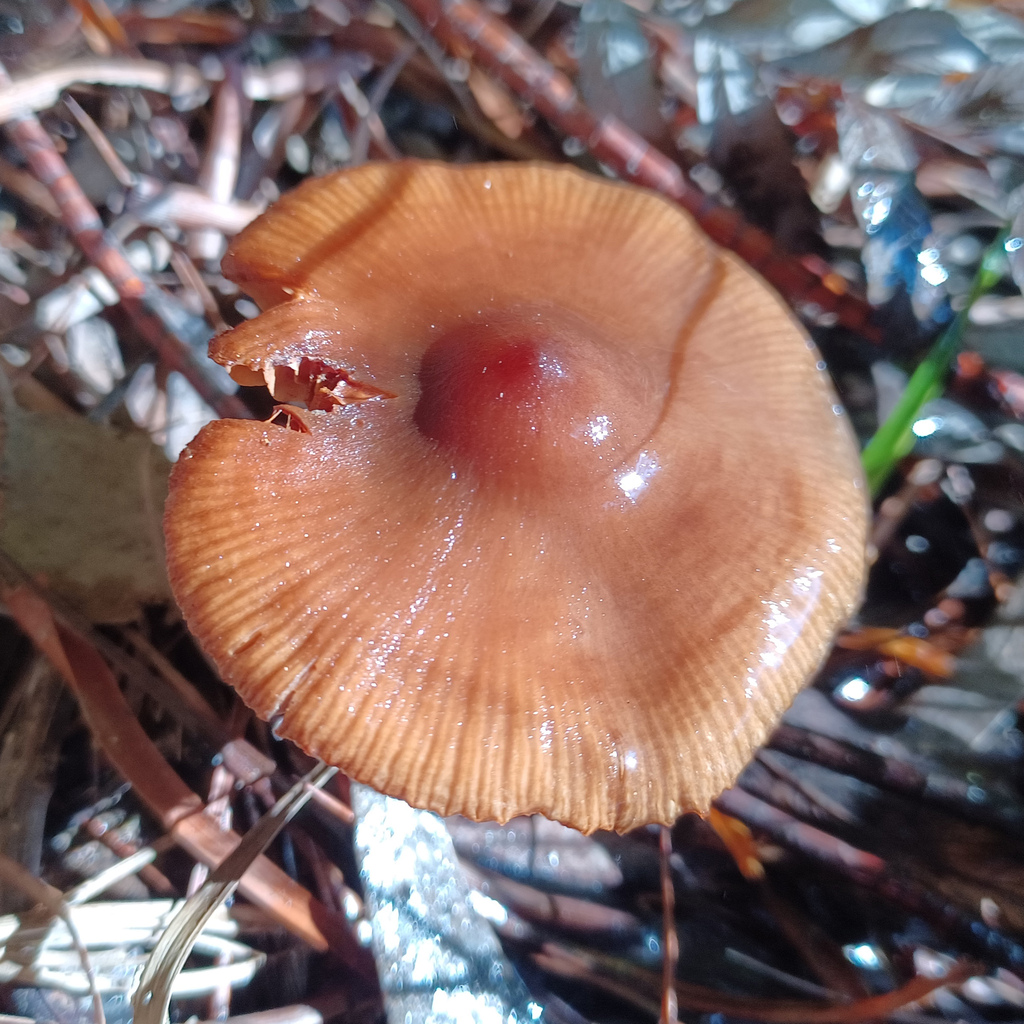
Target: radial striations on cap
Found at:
x=568, y=512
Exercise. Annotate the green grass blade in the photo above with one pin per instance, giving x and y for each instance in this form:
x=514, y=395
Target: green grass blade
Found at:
x=894, y=438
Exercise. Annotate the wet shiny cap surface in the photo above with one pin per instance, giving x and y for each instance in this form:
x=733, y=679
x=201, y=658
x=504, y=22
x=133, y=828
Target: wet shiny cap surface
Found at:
x=563, y=512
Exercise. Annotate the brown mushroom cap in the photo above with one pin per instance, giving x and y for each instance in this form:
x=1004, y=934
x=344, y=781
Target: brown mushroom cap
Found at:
x=574, y=514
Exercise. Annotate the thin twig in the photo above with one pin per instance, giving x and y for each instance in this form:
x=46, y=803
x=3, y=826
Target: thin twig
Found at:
x=42, y=90
x=103, y=146
x=378, y=94
x=191, y=278
x=670, y=954
x=219, y=172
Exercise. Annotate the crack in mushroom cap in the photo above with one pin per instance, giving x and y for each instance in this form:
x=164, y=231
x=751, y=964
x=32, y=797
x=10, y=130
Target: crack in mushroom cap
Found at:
x=567, y=518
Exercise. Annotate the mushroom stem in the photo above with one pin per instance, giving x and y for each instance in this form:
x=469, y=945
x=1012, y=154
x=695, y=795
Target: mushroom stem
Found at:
x=437, y=958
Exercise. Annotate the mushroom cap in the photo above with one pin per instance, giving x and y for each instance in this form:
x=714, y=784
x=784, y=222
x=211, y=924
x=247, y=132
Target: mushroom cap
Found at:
x=570, y=513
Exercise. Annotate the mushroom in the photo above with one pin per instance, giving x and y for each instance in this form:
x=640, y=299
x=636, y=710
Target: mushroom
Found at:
x=567, y=512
